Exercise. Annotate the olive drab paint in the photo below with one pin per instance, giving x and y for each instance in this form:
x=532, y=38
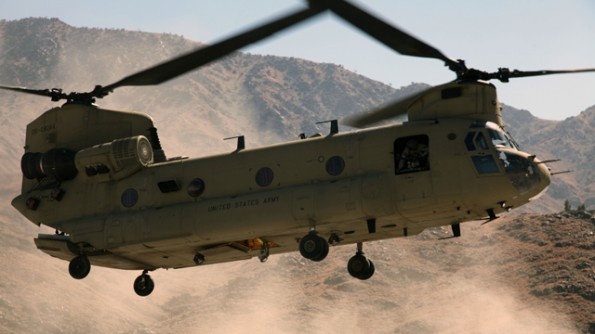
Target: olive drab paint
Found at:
x=128, y=210
x=101, y=179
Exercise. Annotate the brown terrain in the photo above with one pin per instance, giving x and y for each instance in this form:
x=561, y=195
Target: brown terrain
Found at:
x=531, y=271
x=524, y=273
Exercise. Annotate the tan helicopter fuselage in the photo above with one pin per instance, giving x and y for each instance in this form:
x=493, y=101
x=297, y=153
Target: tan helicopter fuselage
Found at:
x=126, y=206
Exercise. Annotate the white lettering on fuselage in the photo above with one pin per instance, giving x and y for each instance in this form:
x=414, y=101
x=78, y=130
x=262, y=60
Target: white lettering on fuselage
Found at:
x=43, y=128
x=242, y=204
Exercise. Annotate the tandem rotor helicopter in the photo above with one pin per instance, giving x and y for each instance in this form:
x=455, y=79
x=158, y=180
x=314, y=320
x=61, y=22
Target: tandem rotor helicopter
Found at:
x=102, y=180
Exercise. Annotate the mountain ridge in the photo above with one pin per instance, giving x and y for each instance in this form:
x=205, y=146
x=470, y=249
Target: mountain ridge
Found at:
x=267, y=99
x=522, y=273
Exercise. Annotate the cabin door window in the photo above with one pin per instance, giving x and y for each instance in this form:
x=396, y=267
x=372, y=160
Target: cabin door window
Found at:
x=411, y=154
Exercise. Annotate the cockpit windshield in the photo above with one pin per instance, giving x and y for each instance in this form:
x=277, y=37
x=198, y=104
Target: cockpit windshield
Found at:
x=499, y=137
x=476, y=140
x=520, y=169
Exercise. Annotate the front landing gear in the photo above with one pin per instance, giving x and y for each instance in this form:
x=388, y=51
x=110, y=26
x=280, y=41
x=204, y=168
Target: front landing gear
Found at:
x=79, y=267
x=359, y=266
x=144, y=285
x=314, y=247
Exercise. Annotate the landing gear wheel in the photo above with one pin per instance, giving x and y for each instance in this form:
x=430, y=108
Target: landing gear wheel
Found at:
x=79, y=267
x=323, y=254
x=360, y=267
x=144, y=285
x=313, y=247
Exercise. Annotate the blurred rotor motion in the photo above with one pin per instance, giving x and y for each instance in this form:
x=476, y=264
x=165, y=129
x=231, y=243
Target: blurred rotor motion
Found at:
x=177, y=66
x=393, y=37
x=406, y=44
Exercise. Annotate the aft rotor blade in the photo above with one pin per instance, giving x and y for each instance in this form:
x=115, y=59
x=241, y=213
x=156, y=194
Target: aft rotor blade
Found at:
x=504, y=74
x=391, y=110
x=180, y=65
x=389, y=35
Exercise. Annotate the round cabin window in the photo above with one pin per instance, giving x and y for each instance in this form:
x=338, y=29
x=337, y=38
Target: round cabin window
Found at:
x=196, y=187
x=335, y=165
x=129, y=197
x=264, y=176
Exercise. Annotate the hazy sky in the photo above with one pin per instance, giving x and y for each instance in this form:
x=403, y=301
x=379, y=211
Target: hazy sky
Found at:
x=519, y=34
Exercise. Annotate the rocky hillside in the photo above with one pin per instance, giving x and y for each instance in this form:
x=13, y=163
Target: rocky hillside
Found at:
x=525, y=273
x=265, y=98
x=268, y=99
x=571, y=141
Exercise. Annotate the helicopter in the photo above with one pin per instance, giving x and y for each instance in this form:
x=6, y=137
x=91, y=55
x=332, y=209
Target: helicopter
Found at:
x=102, y=180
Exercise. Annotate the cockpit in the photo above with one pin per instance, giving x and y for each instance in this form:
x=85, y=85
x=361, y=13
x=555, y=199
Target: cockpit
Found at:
x=493, y=152
x=500, y=138
x=476, y=137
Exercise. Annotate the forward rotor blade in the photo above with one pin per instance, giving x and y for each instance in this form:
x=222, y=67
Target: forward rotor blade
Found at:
x=391, y=110
x=389, y=35
x=504, y=74
x=54, y=93
x=180, y=65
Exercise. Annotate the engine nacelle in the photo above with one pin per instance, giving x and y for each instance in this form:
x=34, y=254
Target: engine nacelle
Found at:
x=115, y=160
x=57, y=163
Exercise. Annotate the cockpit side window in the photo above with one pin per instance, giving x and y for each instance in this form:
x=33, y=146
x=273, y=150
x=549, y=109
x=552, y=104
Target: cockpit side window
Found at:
x=480, y=141
x=476, y=141
x=482, y=159
x=485, y=164
x=411, y=154
x=469, y=141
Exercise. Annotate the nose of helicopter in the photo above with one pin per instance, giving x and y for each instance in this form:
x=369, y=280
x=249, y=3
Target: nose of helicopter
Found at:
x=545, y=177
x=529, y=176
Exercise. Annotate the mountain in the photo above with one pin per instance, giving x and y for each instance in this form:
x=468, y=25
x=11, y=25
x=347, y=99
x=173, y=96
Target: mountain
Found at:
x=241, y=94
x=527, y=273
x=265, y=98
x=571, y=141
x=268, y=99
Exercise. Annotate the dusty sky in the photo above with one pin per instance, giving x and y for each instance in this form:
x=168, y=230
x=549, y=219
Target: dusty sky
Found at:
x=525, y=35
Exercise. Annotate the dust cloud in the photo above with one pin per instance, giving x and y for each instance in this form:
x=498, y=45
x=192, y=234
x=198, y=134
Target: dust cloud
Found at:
x=411, y=292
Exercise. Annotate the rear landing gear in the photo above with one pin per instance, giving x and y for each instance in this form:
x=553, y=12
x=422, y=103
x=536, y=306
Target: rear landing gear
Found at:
x=79, y=267
x=359, y=266
x=144, y=285
x=313, y=247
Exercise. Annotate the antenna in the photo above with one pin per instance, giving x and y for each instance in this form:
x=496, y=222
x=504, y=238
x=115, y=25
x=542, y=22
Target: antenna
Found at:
x=241, y=142
x=334, y=126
